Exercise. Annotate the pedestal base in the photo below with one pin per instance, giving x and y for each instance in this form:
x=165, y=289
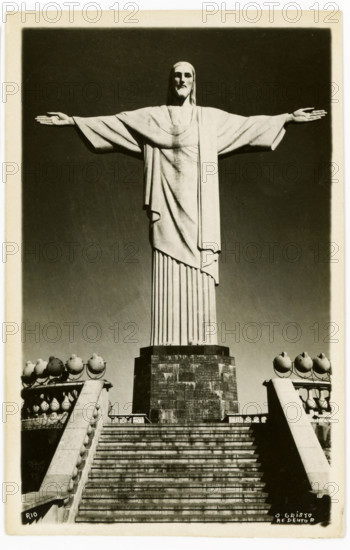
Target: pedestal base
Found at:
x=178, y=384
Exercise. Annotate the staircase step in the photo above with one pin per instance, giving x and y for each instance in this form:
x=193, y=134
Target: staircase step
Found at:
x=163, y=460
x=114, y=442
x=172, y=446
x=170, y=518
x=133, y=475
x=209, y=517
x=179, y=427
x=176, y=437
x=176, y=428
x=175, y=469
x=171, y=431
x=104, y=503
x=184, y=508
x=171, y=475
x=175, y=441
x=175, y=487
x=167, y=492
x=102, y=499
x=159, y=453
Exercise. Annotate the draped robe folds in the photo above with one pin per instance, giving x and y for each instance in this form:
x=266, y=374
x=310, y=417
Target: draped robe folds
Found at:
x=181, y=195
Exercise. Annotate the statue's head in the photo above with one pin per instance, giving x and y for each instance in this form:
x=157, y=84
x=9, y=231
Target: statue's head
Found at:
x=182, y=83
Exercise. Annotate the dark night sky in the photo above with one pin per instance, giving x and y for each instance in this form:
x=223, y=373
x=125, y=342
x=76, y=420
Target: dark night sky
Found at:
x=94, y=202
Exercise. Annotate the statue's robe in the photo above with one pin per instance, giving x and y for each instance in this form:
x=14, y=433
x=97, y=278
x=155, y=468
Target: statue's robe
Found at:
x=181, y=194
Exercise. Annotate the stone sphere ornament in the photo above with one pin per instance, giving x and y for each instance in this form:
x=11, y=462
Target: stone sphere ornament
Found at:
x=55, y=367
x=303, y=362
x=96, y=365
x=40, y=368
x=282, y=363
x=75, y=364
x=321, y=364
x=28, y=369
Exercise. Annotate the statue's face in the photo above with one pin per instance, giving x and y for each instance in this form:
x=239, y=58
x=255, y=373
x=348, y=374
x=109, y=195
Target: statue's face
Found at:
x=183, y=80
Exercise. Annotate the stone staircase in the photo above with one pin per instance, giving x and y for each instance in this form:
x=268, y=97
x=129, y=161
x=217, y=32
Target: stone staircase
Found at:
x=175, y=473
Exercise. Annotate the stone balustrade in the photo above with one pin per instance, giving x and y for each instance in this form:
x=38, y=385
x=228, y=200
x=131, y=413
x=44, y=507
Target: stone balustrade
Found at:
x=292, y=426
x=49, y=406
x=236, y=418
x=68, y=470
x=128, y=418
x=315, y=396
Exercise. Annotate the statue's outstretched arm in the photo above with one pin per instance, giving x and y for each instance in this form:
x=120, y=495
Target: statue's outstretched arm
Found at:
x=258, y=131
x=53, y=118
x=105, y=133
x=303, y=115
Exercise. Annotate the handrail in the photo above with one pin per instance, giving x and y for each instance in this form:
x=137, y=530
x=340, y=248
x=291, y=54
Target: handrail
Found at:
x=314, y=384
x=281, y=396
x=66, y=472
x=39, y=500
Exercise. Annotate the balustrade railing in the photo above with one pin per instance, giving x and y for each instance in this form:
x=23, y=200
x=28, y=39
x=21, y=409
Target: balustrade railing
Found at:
x=48, y=406
x=246, y=418
x=315, y=397
x=63, y=483
x=316, y=401
x=129, y=418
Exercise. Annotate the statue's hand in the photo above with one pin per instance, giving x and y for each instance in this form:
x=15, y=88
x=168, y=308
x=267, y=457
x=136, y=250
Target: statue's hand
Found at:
x=55, y=119
x=302, y=115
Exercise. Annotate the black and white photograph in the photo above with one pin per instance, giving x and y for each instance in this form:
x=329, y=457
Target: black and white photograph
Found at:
x=174, y=258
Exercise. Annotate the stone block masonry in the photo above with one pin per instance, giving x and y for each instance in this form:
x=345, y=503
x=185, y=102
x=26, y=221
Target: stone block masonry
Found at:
x=185, y=384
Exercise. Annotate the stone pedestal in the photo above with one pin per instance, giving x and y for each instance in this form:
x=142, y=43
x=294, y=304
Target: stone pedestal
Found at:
x=185, y=384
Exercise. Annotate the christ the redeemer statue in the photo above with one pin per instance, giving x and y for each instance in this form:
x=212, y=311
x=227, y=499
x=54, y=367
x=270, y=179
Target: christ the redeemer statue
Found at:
x=180, y=143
